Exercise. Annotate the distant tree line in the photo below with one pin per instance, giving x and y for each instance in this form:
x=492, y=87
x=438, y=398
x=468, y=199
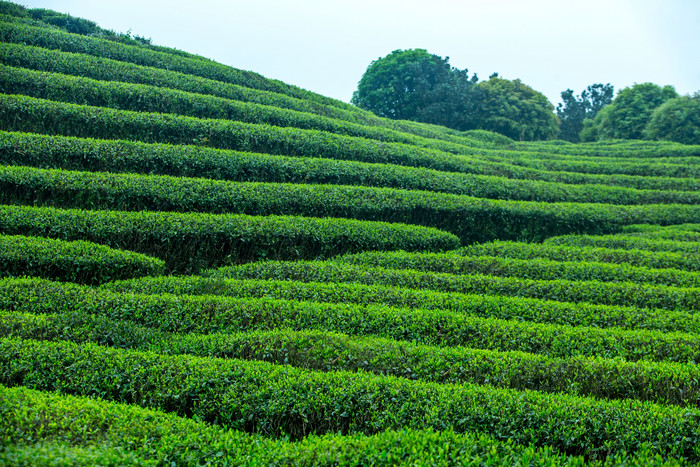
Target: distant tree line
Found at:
x=416, y=85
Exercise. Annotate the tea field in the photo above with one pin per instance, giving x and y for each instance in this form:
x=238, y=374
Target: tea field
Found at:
x=201, y=265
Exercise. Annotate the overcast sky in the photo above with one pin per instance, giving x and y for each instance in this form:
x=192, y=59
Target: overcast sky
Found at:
x=326, y=45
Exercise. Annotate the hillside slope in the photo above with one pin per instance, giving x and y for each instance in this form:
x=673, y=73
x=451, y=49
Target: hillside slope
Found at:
x=202, y=265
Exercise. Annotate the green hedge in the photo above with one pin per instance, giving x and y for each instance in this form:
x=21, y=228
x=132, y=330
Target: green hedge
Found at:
x=28, y=114
x=519, y=308
x=628, y=243
x=624, y=148
x=57, y=421
x=276, y=400
x=188, y=242
x=603, y=293
x=535, y=268
x=471, y=219
x=676, y=235
x=145, y=98
x=78, y=261
x=207, y=314
x=667, y=383
x=190, y=161
x=89, y=66
x=657, y=228
x=677, y=167
x=639, y=258
x=59, y=40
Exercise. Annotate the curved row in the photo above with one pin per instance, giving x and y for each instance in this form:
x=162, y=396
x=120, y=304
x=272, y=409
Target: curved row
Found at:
x=188, y=242
x=239, y=394
x=28, y=114
x=76, y=261
x=122, y=156
x=207, y=314
x=597, y=292
x=535, y=268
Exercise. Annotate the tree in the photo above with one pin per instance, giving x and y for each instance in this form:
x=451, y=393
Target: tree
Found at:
x=416, y=85
x=514, y=109
x=628, y=114
x=573, y=110
x=677, y=120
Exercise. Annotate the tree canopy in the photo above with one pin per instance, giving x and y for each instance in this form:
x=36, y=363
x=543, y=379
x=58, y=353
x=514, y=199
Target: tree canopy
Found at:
x=628, y=114
x=573, y=110
x=514, y=109
x=677, y=120
x=416, y=85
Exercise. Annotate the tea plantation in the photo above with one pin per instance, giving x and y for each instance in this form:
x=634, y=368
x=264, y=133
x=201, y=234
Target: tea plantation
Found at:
x=201, y=265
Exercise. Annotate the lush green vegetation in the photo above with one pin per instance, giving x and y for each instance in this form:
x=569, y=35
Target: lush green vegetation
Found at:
x=199, y=265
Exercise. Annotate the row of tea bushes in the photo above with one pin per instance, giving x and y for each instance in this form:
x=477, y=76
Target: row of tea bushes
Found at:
x=489, y=306
x=597, y=292
x=42, y=427
x=188, y=242
x=71, y=153
x=535, y=268
x=628, y=243
x=76, y=261
x=272, y=400
x=174, y=313
x=471, y=219
x=106, y=69
x=146, y=98
x=667, y=167
x=638, y=258
x=668, y=383
x=620, y=148
x=55, y=39
x=28, y=114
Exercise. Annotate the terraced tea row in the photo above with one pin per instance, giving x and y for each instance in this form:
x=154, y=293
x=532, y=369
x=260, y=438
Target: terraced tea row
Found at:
x=190, y=241
x=28, y=114
x=489, y=306
x=628, y=243
x=269, y=399
x=77, y=261
x=189, y=161
x=60, y=40
x=536, y=268
x=438, y=327
x=137, y=435
x=639, y=258
x=668, y=383
x=597, y=292
x=471, y=219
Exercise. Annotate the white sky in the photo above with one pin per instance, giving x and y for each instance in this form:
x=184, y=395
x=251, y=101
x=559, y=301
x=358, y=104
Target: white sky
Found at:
x=326, y=45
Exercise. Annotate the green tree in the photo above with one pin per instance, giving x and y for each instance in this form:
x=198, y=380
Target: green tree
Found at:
x=573, y=110
x=677, y=120
x=628, y=114
x=416, y=85
x=514, y=109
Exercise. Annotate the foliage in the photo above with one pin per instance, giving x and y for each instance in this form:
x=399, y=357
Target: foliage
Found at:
x=575, y=109
x=535, y=268
x=23, y=113
x=191, y=161
x=514, y=109
x=677, y=120
x=416, y=85
x=593, y=291
x=580, y=252
x=36, y=424
x=628, y=114
x=190, y=241
x=312, y=350
x=471, y=219
x=76, y=261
